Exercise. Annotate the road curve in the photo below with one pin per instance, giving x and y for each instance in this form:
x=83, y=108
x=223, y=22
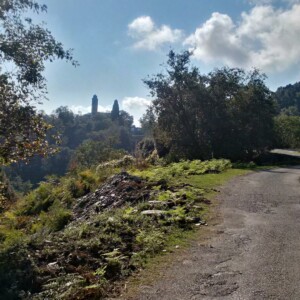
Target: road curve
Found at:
x=255, y=249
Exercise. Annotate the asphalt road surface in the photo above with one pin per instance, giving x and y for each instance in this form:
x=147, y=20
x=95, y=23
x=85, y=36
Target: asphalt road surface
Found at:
x=254, y=251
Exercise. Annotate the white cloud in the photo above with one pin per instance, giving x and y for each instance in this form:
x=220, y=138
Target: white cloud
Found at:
x=136, y=106
x=141, y=25
x=150, y=37
x=135, y=103
x=216, y=40
x=260, y=2
x=265, y=37
x=266, y=2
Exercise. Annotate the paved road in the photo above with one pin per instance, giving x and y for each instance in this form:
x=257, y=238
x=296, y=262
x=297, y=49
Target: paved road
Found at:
x=287, y=152
x=255, y=250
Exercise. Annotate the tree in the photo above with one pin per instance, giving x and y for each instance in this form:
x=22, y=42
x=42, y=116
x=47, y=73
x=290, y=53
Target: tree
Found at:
x=288, y=131
x=288, y=99
x=91, y=153
x=244, y=114
x=125, y=119
x=178, y=107
x=7, y=195
x=115, y=113
x=148, y=122
x=227, y=113
x=25, y=47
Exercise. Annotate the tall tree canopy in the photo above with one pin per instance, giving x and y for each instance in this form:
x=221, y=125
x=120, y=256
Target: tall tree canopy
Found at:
x=227, y=113
x=24, y=49
x=115, y=112
x=288, y=99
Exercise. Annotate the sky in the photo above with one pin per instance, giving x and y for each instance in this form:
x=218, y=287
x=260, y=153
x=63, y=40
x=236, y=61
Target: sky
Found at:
x=118, y=43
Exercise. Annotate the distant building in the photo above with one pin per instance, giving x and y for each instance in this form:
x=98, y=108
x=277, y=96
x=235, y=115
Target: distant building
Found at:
x=94, y=105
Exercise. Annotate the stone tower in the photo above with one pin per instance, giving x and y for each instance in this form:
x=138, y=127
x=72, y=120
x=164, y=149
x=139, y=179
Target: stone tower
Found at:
x=94, y=105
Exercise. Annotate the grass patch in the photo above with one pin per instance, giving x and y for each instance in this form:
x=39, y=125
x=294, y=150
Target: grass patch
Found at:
x=211, y=181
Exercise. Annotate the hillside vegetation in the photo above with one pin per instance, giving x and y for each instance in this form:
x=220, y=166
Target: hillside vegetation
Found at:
x=76, y=237
x=288, y=99
x=84, y=140
x=287, y=123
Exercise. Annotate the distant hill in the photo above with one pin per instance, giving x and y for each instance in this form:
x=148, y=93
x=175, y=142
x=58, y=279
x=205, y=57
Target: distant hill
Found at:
x=288, y=99
x=89, y=136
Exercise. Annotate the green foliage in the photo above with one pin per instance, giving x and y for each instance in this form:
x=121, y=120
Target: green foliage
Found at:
x=17, y=271
x=55, y=219
x=11, y=238
x=151, y=241
x=63, y=190
x=185, y=168
x=148, y=122
x=40, y=199
x=288, y=131
x=164, y=196
x=227, y=113
x=16, y=267
x=96, y=139
x=7, y=194
x=288, y=99
x=92, y=152
x=145, y=147
x=26, y=47
x=115, y=113
x=247, y=165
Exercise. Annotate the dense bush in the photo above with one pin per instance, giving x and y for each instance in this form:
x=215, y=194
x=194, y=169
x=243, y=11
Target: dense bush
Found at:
x=145, y=147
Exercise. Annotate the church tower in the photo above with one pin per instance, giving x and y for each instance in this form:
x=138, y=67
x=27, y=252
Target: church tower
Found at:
x=94, y=105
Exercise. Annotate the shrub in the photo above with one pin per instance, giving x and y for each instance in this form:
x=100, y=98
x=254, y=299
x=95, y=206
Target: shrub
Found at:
x=151, y=241
x=145, y=147
x=125, y=162
x=56, y=218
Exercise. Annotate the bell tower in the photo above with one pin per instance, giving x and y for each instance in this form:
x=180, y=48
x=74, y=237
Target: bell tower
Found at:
x=94, y=105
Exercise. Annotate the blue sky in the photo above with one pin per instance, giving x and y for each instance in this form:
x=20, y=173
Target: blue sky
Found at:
x=120, y=42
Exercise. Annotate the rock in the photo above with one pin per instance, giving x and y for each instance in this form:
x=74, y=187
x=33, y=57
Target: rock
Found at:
x=115, y=192
x=157, y=202
x=155, y=212
x=53, y=266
